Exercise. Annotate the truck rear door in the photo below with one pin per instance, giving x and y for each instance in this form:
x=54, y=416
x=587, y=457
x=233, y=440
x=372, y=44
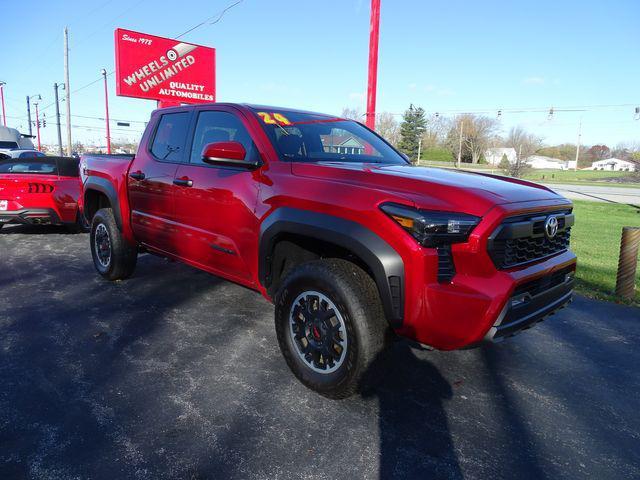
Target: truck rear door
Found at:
x=151, y=181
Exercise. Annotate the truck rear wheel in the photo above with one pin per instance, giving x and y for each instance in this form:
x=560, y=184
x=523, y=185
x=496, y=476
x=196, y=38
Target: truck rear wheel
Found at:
x=330, y=325
x=113, y=257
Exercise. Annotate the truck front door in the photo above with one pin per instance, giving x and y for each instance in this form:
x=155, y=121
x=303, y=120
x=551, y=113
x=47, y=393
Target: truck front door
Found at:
x=218, y=228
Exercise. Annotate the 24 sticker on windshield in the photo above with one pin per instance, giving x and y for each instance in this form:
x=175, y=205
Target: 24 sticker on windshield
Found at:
x=274, y=118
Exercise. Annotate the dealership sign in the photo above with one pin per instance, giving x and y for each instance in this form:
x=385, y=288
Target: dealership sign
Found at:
x=163, y=69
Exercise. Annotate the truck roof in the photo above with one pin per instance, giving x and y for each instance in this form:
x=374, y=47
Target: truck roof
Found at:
x=248, y=106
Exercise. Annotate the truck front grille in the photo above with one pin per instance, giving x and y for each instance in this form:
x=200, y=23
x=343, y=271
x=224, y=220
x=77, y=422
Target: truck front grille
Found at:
x=523, y=239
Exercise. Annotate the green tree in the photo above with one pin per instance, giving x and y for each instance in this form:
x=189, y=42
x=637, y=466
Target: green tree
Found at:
x=504, y=163
x=412, y=128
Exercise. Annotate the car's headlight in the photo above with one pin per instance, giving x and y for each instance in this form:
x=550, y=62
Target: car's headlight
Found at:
x=430, y=228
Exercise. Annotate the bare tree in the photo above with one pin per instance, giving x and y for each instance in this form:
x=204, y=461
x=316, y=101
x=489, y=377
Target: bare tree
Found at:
x=387, y=127
x=352, y=113
x=477, y=132
x=435, y=131
x=525, y=144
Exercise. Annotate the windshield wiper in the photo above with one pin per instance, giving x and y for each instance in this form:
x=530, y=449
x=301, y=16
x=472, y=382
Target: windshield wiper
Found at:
x=282, y=128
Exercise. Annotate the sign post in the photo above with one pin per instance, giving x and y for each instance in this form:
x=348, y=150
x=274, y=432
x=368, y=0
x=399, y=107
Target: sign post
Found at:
x=168, y=71
x=374, y=34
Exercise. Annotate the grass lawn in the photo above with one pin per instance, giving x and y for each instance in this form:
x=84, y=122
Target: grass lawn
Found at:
x=581, y=177
x=595, y=239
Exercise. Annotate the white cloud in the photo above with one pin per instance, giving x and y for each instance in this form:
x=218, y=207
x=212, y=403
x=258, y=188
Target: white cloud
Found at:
x=356, y=96
x=534, y=80
x=412, y=86
x=445, y=92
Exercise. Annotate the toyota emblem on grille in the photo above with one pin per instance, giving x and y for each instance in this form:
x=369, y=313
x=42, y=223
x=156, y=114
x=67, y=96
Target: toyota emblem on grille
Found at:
x=551, y=226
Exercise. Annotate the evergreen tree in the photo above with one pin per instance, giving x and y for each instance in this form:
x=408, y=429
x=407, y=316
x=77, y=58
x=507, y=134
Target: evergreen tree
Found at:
x=412, y=128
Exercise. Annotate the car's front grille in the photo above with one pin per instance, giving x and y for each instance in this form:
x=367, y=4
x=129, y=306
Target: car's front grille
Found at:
x=523, y=239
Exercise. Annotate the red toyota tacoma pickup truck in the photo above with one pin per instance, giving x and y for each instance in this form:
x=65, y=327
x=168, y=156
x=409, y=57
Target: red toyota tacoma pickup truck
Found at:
x=331, y=223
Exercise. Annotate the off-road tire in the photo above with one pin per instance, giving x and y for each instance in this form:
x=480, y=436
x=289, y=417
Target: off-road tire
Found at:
x=356, y=297
x=123, y=256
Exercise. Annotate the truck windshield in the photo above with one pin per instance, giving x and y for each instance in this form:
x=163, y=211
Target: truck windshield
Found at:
x=308, y=137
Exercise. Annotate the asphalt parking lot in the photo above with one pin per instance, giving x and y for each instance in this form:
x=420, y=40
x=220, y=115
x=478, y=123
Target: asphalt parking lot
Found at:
x=177, y=374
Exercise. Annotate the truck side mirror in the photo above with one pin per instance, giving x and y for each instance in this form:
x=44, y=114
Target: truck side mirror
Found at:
x=227, y=153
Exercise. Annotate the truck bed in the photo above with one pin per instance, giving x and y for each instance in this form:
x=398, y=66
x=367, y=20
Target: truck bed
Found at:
x=103, y=165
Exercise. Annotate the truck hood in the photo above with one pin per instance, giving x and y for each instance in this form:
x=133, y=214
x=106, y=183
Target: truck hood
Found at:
x=433, y=188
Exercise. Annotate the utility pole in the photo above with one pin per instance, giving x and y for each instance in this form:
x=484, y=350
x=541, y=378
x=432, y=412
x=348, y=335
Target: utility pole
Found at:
x=67, y=88
x=106, y=106
x=460, y=144
x=575, y=169
x=55, y=89
x=4, y=114
x=373, y=63
x=29, y=116
x=419, y=148
x=38, y=122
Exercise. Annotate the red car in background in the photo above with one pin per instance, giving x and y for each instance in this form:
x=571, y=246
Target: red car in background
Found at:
x=40, y=191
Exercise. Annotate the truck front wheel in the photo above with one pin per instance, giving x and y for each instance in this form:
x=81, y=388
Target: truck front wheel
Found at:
x=113, y=257
x=330, y=325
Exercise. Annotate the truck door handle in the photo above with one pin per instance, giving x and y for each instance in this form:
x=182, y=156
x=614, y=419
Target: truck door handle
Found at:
x=137, y=175
x=183, y=182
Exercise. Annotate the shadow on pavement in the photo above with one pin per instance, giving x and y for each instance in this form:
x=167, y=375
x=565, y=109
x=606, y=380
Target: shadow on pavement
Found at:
x=415, y=441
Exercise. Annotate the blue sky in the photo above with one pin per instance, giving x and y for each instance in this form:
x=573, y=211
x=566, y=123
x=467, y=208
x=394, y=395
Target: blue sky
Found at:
x=444, y=56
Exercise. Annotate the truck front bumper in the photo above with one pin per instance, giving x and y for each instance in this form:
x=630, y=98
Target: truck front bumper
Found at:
x=472, y=309
x=531, y=302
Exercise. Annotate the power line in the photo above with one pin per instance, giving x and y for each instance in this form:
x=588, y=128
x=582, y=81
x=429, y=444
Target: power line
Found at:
x=217, y=17
x=572, y=108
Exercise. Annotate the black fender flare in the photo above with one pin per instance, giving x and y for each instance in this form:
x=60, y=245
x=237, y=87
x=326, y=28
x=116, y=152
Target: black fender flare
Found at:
x=382, y=260
x=105, y=187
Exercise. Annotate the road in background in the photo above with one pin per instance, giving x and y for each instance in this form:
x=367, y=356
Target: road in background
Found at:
x=177, y=374
x=598, y=193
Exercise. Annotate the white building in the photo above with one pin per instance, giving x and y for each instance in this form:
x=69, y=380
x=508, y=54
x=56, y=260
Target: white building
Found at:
x=614, y=165
x=494, y=156
x=550, y=163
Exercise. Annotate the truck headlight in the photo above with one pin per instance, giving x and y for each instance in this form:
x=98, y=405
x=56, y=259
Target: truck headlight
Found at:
x=430, y=228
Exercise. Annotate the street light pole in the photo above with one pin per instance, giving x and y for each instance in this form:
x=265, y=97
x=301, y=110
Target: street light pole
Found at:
x=460, y=145
x=67, y=86
x=4, y=114
x=106, y=107
x=373, y=63
x=29, y=116
x=55, y=89
x=38, y=124
x=575, y=169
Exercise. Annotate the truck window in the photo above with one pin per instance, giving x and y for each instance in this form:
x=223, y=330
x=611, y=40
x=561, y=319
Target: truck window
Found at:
x=169, y=140
x=215, y=127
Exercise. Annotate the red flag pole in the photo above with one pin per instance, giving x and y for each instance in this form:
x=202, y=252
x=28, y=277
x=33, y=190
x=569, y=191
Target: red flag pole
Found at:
x=373, y=63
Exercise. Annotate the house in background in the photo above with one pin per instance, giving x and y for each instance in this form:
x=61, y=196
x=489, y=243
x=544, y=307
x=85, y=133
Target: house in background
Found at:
x=494, y=156
x=550, y=163
x=344, y=144
x=614, y=165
